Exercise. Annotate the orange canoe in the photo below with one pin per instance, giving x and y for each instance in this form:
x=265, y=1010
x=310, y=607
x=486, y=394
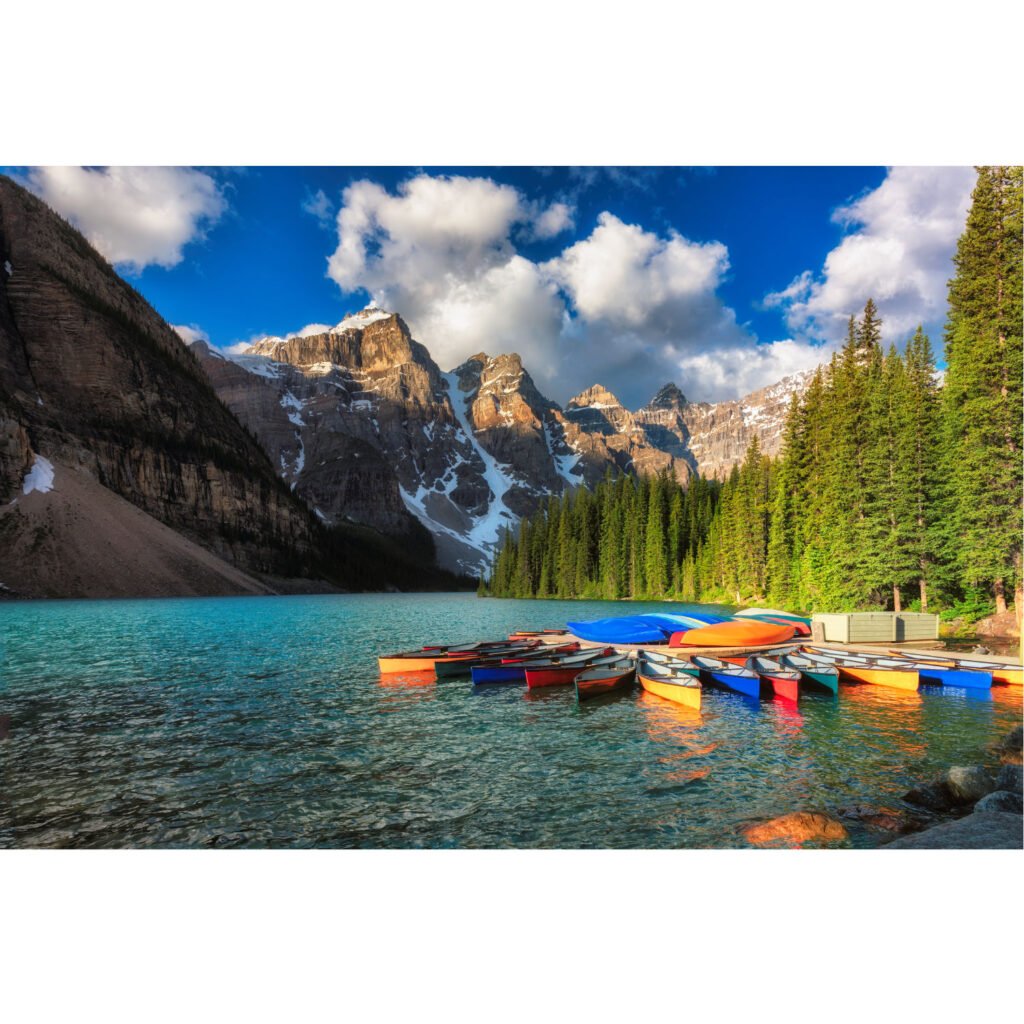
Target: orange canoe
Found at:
x=739, y=633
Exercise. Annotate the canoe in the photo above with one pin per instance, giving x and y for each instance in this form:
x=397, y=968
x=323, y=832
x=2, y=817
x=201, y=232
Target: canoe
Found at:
x=648, y=628
x=1012, y=675
x=784, y=682
x=594, y=682
x=824, y=676
x=802, y=629
x=680, y=687
x=732, y=677
x=463, y=666
x=515, y=672
x=774, y=613
x=479, y=645
x=673, y=662
x=563, y=672
x=866, y=672
x=416, y=661
x=945, y=673
x=738, y=633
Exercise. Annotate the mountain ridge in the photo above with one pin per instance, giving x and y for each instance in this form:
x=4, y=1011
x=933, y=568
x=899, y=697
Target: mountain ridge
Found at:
x=465, y=453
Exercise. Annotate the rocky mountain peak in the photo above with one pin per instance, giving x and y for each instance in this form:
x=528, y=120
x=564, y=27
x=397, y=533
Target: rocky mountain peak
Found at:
x=668, y=397
x=357, y=321
x=595, y=397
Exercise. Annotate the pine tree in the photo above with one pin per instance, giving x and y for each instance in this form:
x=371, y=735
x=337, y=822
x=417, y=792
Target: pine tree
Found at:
x=919, y=452
x=655, y=560
x=982, y=397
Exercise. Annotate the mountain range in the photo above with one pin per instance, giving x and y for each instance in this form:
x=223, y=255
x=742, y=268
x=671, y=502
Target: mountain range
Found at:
x=132, y=463
x=364, y=425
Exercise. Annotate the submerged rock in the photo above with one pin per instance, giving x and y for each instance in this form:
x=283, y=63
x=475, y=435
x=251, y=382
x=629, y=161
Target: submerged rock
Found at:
x=934, y=796
x=796, y=828
x=985, y=830
x=1010, y=747
x=1011, y=778
x=1001, y=800
x=889, y=818
x=969, y=784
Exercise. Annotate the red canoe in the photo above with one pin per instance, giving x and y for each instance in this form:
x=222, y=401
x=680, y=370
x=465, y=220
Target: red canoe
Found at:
x=564, y=672
x=784, y=682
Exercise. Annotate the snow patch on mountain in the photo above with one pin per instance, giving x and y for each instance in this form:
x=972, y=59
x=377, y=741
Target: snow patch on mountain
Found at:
x=357, y=321
x=487, y=529
x=564, y=464
x=289, y=401
x=39, y=477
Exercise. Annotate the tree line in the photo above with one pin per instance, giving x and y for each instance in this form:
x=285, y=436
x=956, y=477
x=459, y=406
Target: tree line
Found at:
x=891, y=490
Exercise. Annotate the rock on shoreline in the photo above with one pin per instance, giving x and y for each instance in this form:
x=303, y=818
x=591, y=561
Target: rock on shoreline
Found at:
x=982, y=830
x=996, y=822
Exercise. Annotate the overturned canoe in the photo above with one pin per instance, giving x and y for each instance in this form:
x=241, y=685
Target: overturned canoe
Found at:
x=771, y=613
x=737, y=633
x=676, y=685
x=648, y=628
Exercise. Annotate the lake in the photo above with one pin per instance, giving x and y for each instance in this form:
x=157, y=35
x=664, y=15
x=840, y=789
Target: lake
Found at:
x=263, y=722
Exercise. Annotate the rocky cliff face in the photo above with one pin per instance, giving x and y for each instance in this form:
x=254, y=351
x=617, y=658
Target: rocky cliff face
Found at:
x=717, y=435
x=363, y=424
x=93, y=379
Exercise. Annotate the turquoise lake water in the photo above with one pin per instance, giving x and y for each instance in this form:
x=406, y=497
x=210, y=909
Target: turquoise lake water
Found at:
x=263, y=722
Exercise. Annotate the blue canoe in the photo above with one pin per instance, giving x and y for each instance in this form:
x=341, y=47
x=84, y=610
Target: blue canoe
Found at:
x=732, y=677
x=971, y=679
x=650, y=628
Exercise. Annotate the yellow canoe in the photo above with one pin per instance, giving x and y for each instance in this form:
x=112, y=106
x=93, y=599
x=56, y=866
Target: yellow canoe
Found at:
x=406, y=663
x=679, y=693
x=898, y=679
x=1013, y=676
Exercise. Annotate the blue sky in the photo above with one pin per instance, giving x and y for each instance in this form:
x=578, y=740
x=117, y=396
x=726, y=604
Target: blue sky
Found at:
x=722, y=279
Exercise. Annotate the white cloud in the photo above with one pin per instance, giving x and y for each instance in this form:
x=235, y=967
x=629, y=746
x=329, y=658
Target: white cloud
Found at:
x=135, y=216
x=318, y=204
x=899, y=253
x=628, y=277
x=734, y=372
x=440, y=253
x=558, y=217
x=190, y=333
x=624, y=306
x=309, y=330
